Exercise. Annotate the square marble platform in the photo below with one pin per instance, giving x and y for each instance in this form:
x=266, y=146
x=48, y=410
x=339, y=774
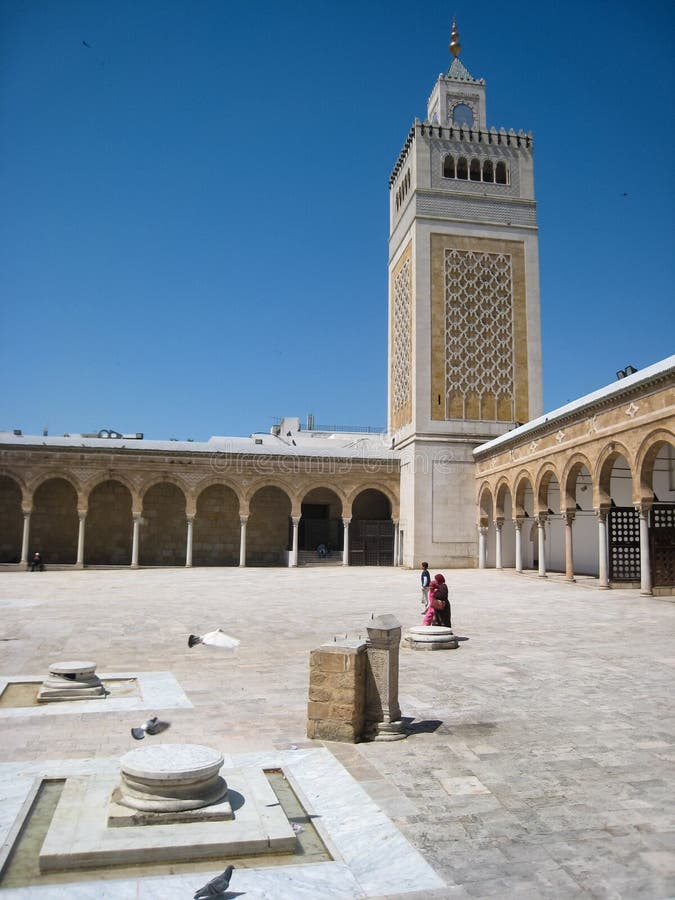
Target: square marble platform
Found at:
x=79, y=836
x=156, y=690
x=371, y=858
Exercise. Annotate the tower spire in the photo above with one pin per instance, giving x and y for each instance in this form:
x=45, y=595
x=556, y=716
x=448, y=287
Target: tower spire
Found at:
x=454, y=46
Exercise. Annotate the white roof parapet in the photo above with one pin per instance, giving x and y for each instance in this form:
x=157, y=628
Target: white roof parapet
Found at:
x=615, y=389
x=369, y=446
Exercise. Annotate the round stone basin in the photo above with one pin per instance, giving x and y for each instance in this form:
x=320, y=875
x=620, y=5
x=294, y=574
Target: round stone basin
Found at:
x=78, y=668
x=431, y=632
x=171, y=778
x=73, y=679
x=172, y=762
x=431, y=637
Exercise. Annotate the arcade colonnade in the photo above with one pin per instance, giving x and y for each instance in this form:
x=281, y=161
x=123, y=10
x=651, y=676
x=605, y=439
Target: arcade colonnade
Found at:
x=588, y=492
x=118, y=518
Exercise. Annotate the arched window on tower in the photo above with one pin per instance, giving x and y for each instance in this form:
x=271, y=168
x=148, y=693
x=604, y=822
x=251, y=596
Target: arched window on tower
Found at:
x=462, y=168
x=488, y=171
x=500, y=177
x=449, y=167
x=474, y=171
x=462, y=115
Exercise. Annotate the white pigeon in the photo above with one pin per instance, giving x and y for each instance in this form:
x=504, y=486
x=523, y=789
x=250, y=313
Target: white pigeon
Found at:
x=216, y=638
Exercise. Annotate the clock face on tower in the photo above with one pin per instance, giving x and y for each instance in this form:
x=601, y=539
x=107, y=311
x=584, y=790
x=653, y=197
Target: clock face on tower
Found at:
x=462, y=115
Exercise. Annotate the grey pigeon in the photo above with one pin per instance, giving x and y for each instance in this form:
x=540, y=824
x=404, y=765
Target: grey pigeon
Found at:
x=152, y=726
x=216, y=887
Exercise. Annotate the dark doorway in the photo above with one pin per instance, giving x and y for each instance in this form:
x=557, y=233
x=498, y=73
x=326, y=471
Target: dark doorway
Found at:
x=662, y=539
x=317, y=527
x=371, y=543
x=623, y=527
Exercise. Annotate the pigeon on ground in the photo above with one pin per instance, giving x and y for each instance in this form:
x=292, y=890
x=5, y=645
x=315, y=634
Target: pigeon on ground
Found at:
x=152, y=726
x=216, y=638
x=216, y=887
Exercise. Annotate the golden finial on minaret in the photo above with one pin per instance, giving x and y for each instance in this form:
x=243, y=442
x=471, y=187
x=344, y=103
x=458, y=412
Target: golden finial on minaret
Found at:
x=455, y=45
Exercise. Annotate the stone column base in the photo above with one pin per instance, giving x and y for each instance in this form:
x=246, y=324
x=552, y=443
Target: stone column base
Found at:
x=430, y=637
x=386, y=731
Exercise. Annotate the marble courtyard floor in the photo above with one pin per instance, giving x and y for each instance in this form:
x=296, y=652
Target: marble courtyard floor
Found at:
x=541, y=755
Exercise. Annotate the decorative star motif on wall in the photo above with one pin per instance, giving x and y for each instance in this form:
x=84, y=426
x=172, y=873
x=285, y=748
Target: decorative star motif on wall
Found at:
x=632, y=410
x=560, y=436
x=533, y=446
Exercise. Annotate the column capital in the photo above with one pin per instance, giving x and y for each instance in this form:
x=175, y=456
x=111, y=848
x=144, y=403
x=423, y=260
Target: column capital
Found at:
x=499, y=521
x=82, y=513
x=26, y=510
x=643, y=508
x=569, y=516
x=483, y=529
x=601, y=512
x=190, y=517
x=346, y=520
x=295, y=520
x=518, y=523
x=243, y=520
x=137, y=515
x=542, y=519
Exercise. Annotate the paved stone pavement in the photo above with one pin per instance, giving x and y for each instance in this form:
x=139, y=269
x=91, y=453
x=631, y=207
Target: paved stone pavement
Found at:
x=541, y=758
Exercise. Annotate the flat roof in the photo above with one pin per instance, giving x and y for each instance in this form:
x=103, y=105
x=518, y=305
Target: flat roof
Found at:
x=353, y=446
x=615, y=389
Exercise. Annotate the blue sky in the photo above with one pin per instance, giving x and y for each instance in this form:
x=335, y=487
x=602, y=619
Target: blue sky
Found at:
x=195, y=207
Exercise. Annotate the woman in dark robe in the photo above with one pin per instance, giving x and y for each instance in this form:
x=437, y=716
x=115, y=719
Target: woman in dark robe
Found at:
x=441, y=594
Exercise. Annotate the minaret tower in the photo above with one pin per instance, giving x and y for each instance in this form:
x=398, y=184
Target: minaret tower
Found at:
x=464, y=330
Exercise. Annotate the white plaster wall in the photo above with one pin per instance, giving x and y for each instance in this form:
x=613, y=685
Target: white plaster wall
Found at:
x=585, y=543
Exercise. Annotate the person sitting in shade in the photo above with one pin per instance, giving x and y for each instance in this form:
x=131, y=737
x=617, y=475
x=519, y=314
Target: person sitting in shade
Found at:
x=36, y=564
x=322, y=551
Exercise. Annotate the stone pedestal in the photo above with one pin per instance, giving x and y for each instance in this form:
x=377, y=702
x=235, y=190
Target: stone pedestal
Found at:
x=383, y=714
x=337, y=677
x=430, y=637
x=71, y=680
x=163, y=783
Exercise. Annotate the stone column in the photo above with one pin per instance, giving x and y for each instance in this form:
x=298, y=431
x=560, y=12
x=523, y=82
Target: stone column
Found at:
x=82, y=516
x=498, y=543
x=603, y=576
x=482, y=547
x=188, y=547
x=25, y=539
x=383, y=714
x=569, y=555
x=645, y=556
x=134, y=540
x=541, y=545
x=518, y=525
x=395, y=541
x=345, y=540
x=293, y=562
x=242, y=540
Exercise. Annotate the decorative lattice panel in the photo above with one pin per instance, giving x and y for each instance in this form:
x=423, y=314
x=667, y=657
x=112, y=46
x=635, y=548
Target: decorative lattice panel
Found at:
x=623, y=526
x=401, y=400
x=662, y=535
x=478, y=335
